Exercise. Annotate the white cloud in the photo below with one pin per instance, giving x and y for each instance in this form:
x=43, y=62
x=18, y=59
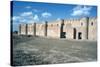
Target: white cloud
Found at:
x=15, y=18
x=46, y=14
x=36, y=17
x=35, y=10
x=28, y=7
x=22, y=20
x=26, y=14
x=30, y=18
x=26, y=17
x=58, y=19
x=81, y=11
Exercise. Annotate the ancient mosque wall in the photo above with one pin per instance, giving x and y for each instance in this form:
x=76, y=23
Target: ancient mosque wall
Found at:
x=83, y=28
x=92, y=29
x=39, y=29
x=68, y=29
x=53, y=29
x=30, y=29
x=23, y=29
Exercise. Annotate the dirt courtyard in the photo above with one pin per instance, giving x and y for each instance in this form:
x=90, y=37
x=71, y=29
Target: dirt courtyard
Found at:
x=39, y=50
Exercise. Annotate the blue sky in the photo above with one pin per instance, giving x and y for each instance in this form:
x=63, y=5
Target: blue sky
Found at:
x=30, y=12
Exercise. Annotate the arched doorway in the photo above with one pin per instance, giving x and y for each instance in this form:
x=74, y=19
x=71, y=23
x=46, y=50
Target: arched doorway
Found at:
x=79, y=35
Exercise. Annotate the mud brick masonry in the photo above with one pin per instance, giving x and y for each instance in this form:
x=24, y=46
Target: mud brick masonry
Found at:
x=79, y=29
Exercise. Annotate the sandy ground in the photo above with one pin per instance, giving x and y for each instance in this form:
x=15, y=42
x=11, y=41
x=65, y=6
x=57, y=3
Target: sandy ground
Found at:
x=39, y=50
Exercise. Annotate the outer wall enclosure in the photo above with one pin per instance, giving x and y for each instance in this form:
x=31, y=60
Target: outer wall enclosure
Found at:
x=78, y=29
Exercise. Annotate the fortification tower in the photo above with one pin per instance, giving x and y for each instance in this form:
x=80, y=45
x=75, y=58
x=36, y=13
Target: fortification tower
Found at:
x=45, y=28
x=19, y=29
x=84, y=28
x=34, y=29
x=62, y=33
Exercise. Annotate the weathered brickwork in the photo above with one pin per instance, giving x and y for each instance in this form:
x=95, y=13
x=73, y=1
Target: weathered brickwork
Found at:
x=79, y=29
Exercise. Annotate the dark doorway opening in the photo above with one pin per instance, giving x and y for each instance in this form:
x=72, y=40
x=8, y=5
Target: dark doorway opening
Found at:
x=79, y=35
x=74, y=33
x=62, y=33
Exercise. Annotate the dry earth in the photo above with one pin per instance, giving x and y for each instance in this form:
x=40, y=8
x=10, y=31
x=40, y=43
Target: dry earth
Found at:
x=39, y=50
